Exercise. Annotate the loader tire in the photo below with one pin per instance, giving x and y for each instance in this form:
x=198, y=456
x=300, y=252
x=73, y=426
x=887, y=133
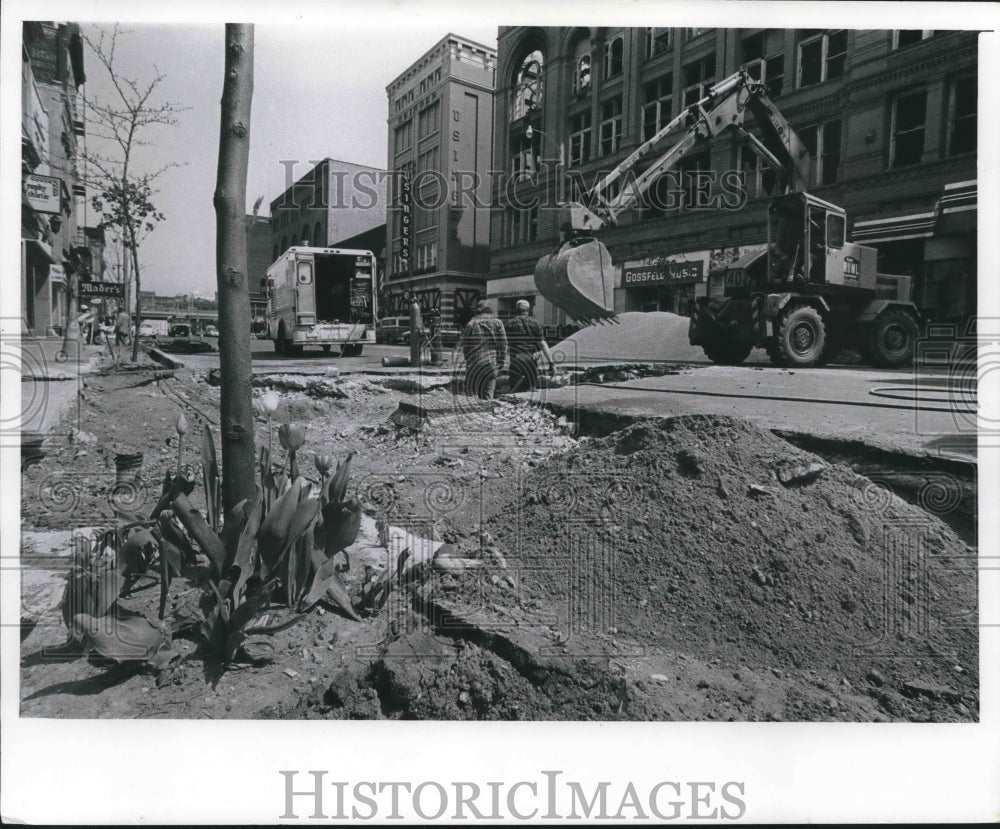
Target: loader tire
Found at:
x=801, y=336
x=727, y=352
x=894, y=337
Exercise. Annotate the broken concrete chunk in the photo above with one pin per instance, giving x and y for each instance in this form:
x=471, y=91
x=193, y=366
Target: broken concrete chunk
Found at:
x=791, y=474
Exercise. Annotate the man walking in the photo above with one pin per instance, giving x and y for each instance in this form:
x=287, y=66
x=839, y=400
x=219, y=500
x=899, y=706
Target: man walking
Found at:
x=526, y=338
x=122, y=325
x=484, y=344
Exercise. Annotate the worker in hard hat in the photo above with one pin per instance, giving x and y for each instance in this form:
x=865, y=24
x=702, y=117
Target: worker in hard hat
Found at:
x=526, y=339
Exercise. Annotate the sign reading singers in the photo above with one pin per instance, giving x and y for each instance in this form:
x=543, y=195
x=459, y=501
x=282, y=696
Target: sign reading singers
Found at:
x=663, y=273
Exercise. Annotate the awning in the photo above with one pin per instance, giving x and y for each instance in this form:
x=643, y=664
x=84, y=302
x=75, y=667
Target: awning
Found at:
x=42, y=249
x=956, y=198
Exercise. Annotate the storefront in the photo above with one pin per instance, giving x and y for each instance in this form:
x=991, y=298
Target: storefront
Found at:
x=662, y=284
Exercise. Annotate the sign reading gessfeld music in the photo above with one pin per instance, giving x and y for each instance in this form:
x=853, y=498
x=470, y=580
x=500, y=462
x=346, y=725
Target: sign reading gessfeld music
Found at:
x=663, y=273
x=42, y=193
x=106, y=289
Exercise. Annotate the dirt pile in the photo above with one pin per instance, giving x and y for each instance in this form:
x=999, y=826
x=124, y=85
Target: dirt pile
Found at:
x=653, y=336
x=709, y=536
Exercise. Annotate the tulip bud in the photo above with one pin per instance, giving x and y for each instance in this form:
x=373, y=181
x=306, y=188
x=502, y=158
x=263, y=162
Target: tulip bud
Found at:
x=268, y=404
x=292, y=436
x=324, y=463
x=182, y=425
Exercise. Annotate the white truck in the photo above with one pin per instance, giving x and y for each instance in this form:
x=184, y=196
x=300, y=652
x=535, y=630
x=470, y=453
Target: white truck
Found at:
x=323, y=297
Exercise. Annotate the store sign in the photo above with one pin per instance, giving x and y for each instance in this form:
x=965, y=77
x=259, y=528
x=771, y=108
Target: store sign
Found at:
x=102, y=289
x=662, y=273
x=57, y=274
x=405, y=220
x=42, y=193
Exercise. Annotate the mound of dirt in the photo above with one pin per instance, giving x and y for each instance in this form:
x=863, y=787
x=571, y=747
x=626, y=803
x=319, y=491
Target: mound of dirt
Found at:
x=651, y=336
x=709, y=536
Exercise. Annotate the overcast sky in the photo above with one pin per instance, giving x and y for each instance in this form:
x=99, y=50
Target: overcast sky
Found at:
x=318, y=92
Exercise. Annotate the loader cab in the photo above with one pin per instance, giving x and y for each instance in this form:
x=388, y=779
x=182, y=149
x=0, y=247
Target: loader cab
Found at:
x=803, y=232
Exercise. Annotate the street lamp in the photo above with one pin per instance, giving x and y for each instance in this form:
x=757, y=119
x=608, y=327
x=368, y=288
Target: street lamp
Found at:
x=529, y=133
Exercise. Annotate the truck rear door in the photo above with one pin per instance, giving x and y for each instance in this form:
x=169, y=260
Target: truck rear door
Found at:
x=305, y=313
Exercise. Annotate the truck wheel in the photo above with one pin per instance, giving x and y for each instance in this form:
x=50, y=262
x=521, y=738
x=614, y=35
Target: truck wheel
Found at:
x=801, y=336
x=727, y=352
x=278, y=345
x=353, y=350
x=326, y=347
x=894, y=337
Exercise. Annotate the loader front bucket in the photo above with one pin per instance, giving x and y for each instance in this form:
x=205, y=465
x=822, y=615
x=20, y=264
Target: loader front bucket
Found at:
x=580, y=279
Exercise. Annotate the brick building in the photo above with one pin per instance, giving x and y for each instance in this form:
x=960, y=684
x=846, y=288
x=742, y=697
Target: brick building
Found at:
x=57, y=247
x=440, y=145
x=889, y=118
x=333, y=201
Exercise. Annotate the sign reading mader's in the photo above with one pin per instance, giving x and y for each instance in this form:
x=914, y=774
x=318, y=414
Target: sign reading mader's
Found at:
x=42, y=193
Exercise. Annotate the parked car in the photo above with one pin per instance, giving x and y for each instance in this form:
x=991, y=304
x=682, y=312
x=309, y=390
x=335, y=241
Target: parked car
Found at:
x=393, y=330
x=180, y=329
x=147, y=329
x=211, y=331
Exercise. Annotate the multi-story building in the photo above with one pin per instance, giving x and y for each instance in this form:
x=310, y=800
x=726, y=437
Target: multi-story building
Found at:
x=333, y=201
x=889, y=118
x=440, y=143
x=56, y=244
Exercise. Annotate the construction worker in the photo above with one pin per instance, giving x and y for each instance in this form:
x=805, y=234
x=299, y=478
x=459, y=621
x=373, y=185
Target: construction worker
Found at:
x=484, y=344
x=526, y=339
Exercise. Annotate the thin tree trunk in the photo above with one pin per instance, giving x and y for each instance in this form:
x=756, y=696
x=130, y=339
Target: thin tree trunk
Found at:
x=230, y=263
x=138, y=309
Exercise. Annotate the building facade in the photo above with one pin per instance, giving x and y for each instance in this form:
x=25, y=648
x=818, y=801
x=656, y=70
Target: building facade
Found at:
x=333, y=201
x=888, y=117
x=440, y=144
x=57, y=248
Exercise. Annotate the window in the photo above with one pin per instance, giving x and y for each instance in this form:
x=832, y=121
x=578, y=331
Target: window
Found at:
x=835, y=230
x=909, y=112
x=658, y=41
x=521, y=225
x=579, y=138
x=404, y=100
x=403, y=137
x=614, y=52
x=528, y=86
x=821, y=56
x=823, y=143
x=901, y=38
x=426, y=256
x=962, y=116
x=581, y=66
x=657, y=105
x=691, y=34
x=428, y=121
x=753, y=170
x=611, y=125
x=428, y=160
x=764, y=59
x=698, y=78
x=525, y=154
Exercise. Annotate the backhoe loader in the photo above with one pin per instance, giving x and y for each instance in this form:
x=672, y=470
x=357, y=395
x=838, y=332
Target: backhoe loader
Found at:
x=806, y=296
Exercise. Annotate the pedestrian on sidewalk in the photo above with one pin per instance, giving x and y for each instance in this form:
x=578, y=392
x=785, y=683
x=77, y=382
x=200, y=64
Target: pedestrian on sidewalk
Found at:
x=122, y=325
x=526, y=338
x=484, y=344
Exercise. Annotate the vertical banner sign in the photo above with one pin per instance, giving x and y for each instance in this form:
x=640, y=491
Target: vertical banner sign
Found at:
x=405, y=221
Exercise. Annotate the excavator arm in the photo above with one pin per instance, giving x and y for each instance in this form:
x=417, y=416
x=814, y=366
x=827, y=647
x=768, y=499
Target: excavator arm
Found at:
x=576, y=277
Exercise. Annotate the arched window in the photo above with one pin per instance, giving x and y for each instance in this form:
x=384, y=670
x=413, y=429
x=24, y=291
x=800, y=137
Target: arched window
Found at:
x=528, y=85
x=581, y=64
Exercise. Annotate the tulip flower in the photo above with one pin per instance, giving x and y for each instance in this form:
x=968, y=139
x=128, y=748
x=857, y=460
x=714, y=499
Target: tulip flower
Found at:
x=181, y=426
x=292, y=436
x=324, y=463
x=268, y=404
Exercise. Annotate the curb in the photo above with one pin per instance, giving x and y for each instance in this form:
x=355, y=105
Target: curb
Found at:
x=163, y=359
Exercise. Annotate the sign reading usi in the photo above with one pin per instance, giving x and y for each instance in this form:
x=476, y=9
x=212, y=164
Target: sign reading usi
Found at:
x=662, y=273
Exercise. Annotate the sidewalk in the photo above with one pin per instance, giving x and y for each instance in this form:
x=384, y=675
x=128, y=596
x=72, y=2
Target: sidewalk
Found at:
x=50, y=380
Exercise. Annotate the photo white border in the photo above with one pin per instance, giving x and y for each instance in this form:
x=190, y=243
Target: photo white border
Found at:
x=116, y=772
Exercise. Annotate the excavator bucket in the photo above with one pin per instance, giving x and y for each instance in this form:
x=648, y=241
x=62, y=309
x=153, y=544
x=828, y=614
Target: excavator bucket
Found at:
x=580, y=279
